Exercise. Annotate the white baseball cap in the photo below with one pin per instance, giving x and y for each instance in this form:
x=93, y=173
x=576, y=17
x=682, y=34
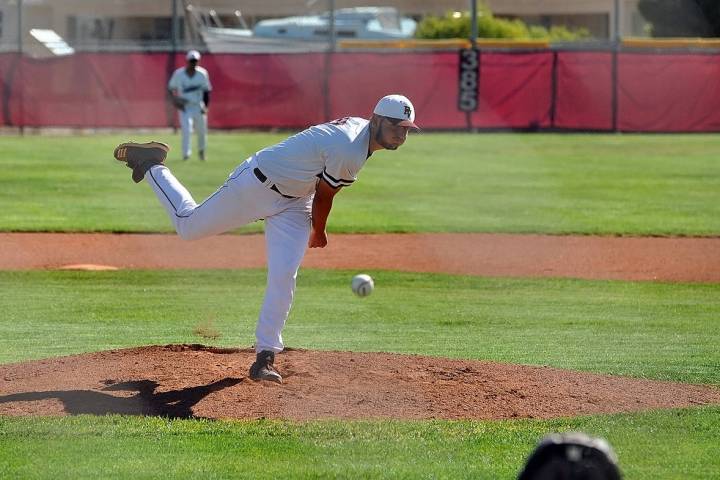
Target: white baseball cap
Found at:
x=397, y=106
x=193, y=55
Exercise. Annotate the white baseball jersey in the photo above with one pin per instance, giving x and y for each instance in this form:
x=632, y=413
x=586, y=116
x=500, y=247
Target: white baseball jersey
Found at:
x=190, y=88
x=334, y=151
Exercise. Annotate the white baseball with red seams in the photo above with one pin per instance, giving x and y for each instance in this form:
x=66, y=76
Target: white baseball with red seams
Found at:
x=362, y=285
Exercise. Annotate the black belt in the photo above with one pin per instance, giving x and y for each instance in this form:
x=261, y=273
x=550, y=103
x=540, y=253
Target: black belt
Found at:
x=261, y=176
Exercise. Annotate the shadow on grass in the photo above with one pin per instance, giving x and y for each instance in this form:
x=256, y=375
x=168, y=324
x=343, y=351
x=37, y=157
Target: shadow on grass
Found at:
x=171, y=404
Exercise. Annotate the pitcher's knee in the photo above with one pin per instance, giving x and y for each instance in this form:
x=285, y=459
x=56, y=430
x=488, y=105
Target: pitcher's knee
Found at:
x=189, y=234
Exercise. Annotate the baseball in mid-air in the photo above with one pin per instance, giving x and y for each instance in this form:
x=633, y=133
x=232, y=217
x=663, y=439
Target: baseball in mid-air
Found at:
x=362, y=285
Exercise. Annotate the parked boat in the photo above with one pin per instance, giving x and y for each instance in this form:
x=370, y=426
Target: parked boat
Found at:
x=228, y=32
x=358, y=22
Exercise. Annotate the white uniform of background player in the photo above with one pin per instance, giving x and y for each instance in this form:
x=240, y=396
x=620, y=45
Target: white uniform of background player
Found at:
x=291, y=186
x=192, y=85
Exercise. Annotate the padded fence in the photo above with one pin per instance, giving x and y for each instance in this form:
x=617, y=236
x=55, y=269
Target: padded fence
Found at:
x=535, y=90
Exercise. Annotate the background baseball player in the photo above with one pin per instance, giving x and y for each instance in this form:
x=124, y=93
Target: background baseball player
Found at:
x=291, y=185
x=190, y=89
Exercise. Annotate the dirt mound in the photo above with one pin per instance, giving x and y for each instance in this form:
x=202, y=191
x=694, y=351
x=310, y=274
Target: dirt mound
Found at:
x=185, y=381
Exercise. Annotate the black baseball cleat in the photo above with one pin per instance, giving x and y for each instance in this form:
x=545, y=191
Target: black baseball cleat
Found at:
x=141, y=156
x=263, y=368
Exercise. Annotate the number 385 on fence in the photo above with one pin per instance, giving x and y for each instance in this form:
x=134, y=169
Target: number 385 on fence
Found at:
x=468, y=78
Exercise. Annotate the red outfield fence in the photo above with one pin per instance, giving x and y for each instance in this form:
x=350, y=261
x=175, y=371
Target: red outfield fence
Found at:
x=536, y=90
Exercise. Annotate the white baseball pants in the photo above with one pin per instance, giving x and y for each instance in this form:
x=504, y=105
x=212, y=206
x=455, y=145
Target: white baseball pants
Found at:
x=243, y=199
x=192, y=118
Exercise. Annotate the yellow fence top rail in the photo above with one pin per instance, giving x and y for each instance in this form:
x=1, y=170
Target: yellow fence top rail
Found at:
x=671, y=42
x=459, y=43
x=456, y=43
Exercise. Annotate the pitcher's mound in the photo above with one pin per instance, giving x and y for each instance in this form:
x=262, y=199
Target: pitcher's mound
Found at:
x=196, y=381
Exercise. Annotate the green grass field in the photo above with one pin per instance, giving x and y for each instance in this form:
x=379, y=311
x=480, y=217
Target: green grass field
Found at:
x=588, y=184
x=676, y=444
x=652, y=330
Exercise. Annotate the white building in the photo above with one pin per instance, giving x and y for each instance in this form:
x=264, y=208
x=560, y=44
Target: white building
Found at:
x=148, y=23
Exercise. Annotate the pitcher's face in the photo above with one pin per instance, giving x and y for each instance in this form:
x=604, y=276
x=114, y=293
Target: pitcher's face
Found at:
x=389, y=134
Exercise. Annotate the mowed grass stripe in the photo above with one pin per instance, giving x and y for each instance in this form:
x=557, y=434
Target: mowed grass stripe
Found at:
x=675, y=444
x=642, y=329
x=437, y=182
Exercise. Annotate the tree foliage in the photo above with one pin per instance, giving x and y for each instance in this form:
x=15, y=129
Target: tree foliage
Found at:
x=457, y=25
x=682, y=18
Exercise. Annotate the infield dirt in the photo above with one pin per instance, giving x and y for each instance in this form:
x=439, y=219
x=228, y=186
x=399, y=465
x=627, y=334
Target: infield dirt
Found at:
x=500, y=255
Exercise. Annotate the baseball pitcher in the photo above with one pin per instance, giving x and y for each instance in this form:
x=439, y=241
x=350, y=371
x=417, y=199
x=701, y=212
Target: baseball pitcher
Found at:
x=291, y=185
